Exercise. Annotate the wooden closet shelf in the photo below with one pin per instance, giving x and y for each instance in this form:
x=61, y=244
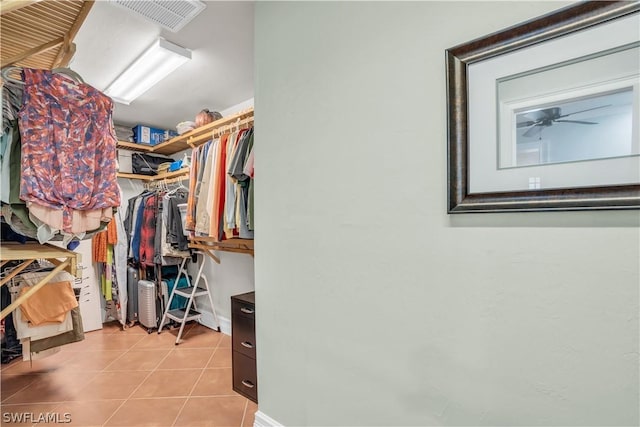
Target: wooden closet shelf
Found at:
x=152, y=178
x=135, y=147
x=194, y=137
x=243, y=246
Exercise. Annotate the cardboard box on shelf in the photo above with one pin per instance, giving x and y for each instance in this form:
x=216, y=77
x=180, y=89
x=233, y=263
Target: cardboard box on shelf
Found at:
x=151, y=136
x=124, y=161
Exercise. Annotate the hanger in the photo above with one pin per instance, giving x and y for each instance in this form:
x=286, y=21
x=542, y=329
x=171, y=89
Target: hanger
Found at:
x=6, y=71
x=179, y=187
x=7, y=78
x=69, y=72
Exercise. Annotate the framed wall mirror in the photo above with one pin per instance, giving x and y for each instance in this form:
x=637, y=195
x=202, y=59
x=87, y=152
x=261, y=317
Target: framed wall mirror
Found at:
x=545, y=115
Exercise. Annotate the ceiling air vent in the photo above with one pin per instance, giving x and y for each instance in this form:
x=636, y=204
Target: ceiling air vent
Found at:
x=172, y=15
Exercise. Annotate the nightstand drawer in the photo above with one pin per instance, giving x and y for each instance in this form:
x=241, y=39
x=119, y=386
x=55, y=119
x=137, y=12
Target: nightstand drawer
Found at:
x=243, y=335
x=245, y=377
x=244, y=309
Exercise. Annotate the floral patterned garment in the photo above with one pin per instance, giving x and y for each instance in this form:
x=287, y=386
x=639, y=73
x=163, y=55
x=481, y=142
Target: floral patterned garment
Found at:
x=68, y=145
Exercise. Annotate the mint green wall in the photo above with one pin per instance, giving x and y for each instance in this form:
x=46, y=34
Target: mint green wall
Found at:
x=374, y=307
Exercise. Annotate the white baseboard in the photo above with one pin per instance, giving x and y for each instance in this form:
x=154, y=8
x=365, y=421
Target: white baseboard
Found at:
x=263, y=420
x=208, y=321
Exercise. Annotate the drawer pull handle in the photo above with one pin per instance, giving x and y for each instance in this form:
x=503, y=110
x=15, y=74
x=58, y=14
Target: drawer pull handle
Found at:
x=248, y=383
x=246, y=344
x=246, y=310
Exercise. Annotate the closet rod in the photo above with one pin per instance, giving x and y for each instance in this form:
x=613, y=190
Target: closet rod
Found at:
x=159, y=183
x=231, y=127
x=199, y=135
x=201, y=139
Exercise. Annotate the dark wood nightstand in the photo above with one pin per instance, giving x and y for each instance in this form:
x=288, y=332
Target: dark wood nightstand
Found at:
x=243, y=337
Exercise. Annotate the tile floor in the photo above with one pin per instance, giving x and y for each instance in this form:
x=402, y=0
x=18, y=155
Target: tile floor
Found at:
x=130, y=378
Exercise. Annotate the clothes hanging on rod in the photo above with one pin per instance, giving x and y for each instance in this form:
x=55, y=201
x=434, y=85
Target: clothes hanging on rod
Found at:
x=154, y=226
x=102, y=248
x=109, y=251
x=11, y=103
x=175, y=242
x=156, y=242
x=119, y=308
x=219, y=203
x=68, y=153
x=58, y=164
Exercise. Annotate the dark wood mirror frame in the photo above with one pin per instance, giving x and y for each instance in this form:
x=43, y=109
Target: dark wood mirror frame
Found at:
x=556, y=24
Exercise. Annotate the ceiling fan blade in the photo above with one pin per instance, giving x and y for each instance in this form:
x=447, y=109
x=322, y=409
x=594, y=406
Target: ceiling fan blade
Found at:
x=540, y=115
x=535, y=129
x=582, y=111
x=576, y=121
x=526, y=124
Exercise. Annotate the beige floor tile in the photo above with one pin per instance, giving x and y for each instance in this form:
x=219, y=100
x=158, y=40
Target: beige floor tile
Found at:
x=172, y=383
x=16, y=413
x=11, y=384
x=128, y=378
x=249, y=414
x=56, y=387
x=98, y=341
x=50, y=364
x=91, y=342
x=221, y=358
x=147, y=412
x=187, y=358
x=121, y=341
x=111, y=385
x=167, y=339
x=214, y=382
x=110, y=328
x=138, y=360
x=212, y=411
x=91, y=360
x=197, y=327
x=135, y=329
x=225, y=342
x=201, y=337
x=115, y=327
x=86, y=414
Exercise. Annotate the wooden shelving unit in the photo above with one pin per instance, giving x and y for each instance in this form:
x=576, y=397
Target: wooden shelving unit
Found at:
x=134, y=147
x=192, y=139
x=184, y=172
x=29, y=252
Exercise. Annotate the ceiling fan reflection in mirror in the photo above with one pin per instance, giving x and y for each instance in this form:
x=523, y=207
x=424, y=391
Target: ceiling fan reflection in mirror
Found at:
x=539, y=119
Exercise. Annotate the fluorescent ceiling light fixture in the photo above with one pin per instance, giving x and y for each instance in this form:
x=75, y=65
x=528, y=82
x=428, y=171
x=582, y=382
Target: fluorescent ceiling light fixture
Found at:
x=156, y=63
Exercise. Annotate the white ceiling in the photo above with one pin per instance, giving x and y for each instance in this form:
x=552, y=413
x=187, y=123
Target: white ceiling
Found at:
x=220, y=74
